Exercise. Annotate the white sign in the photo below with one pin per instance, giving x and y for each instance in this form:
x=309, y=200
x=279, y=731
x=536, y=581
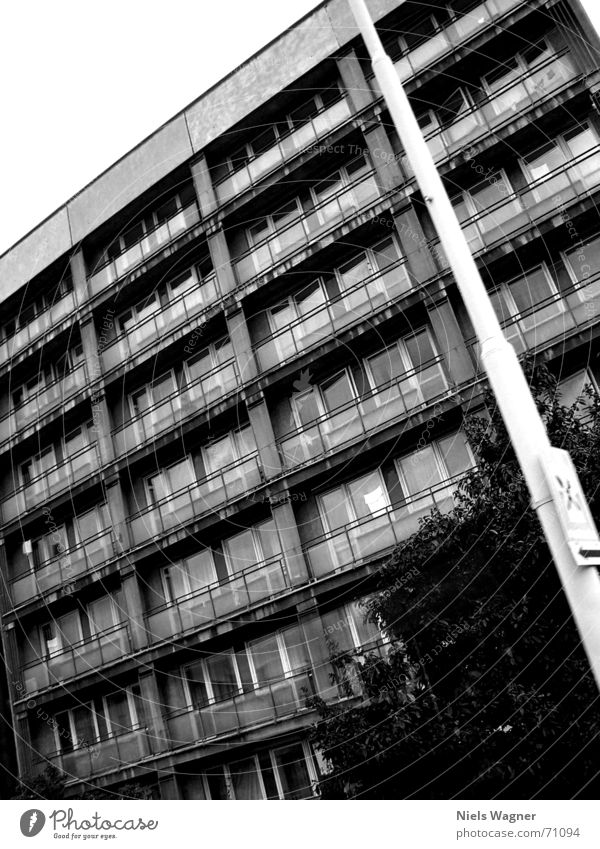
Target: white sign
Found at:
x=572, y=508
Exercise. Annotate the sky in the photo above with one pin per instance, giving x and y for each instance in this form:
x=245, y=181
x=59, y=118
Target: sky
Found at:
x=84, y=81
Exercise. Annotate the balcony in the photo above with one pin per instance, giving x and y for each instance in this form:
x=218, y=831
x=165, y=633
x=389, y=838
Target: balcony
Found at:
x=209, y=389
x=447, y=39
x=496, y=223
x=116, y=752
x=360, y=540
x=266, y=704
x=384, y=404
x=64, y=568
x=515, y=99
x=196, y=500
x=295, y=142
x=79, y=659
x=216, y=601
x=47, y=320
x=307, y=227
x=50, y=483
x=550, y=320
x=152, y=331
x=54, y=395
x=146, y=247
x=364, y=299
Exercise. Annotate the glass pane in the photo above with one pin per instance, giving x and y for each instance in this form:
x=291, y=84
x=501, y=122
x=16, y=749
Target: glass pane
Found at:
x=175, y=581
x=306, y=405
x=200, y=569
x=585, y=260
x=267, y=660
x=310, y=299
x=83, y=720
x=368, y=495
x=240, y=551
x=119, y=714
x=531, y=289
x=539, y=165
x=87, y=524
x=387, y=366
x=355, y=271
x=163, y=387
x=455, y=453
x=70, y=628
x=337, y=630
x=386, y=253
x=221, y=672
x=293, y=773
x=419, y=347
x=336, y=507
x=420, y=470
x=100, y=614
x=337, y=392
x=245, y=780
x=195, y=677
x=219, y=454
x=297, y=650
x=367, y=632
x=244, y=439
x=268, y=539
x=281, y=316
x=180, y=475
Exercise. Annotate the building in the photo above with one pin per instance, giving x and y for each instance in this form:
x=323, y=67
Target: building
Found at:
x=234, y=370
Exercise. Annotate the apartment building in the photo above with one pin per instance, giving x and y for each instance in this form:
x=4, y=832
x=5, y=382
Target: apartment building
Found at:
x=234, y=371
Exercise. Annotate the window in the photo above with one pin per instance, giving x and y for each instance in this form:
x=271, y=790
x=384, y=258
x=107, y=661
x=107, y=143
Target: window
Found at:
x=414, y=355
x=167, y=482
x=191, y=575
x=583, y=265
x=252, y=546
x=573, y=389
x=429, y=467
x=227, y=450
x=552, y=158
x=269, y=136
x=362, y=498
x=77, y=728
x=49, y=547
x=91, y=522
x=120, y=712
x=149, y=396
x=61, y=634
x=532, y=299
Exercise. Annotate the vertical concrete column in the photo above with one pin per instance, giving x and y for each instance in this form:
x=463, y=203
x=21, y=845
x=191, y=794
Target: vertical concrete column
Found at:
x=412, y=238
x=11, y=689
x=158, y=737
x=585, y=48
x=221, y=260
x=264, y=436
x=389, y=171
x=135, y=609
x=205, y=193
x=23, y=740
x=353, y=81
x=285, y=522
x=449, y=339
x=169, y=788
x=118, y=513
x=79, y=276
x=242, y=344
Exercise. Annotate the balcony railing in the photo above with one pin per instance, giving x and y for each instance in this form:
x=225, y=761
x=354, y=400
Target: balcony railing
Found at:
x=152, y=330
x=208, y=389
x=447, y=39
x=114, y=753
x=64, y=568
x=265, y=704
x=196, y=500
x=295, y=142
x=151, y=242
x=355, y=419
x=49, y=483
x=40, y=325
x=540, y=198
x=366, y=538
x=54, y=395
x=307, y=227
x=543, y=81
x=550, y=319
x=364, y=299
x=80, y=658
x=221, y=599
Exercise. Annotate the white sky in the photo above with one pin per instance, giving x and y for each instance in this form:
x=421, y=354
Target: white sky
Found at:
x=83, y=81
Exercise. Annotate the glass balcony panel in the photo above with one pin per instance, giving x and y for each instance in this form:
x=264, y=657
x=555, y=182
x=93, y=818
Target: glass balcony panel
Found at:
x=264, y=163
x=429, y=51
x=302, y=447
x=155, y=239
x=371, y=537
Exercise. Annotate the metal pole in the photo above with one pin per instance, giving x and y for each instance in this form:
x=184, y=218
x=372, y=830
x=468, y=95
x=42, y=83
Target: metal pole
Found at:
x=524, y=425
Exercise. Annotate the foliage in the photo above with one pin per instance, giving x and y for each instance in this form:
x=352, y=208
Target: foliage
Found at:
x=486, y=692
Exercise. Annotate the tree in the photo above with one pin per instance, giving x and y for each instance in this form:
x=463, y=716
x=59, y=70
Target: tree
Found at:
x=486, y=692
